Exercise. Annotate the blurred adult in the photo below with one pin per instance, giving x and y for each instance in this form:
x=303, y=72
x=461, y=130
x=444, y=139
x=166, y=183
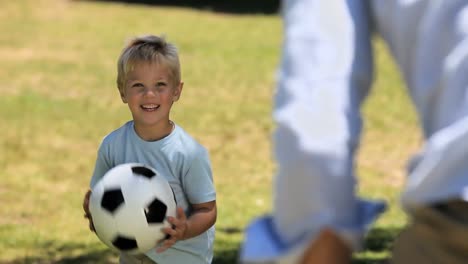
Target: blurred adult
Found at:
x=324, y=77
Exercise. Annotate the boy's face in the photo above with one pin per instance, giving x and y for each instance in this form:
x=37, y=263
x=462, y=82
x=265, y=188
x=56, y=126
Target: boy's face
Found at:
x=150, y=92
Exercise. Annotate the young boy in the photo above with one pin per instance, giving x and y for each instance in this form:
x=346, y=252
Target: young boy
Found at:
x=149, y=82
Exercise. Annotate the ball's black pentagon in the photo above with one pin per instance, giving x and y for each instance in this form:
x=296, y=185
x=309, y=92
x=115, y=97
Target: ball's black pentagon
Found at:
x=143, y=171
x=155, y=212
x=124, y=243
x=112, y=199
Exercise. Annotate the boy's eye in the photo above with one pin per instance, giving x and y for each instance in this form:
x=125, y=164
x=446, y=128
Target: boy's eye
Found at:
x=161, y=86
x=137, y=85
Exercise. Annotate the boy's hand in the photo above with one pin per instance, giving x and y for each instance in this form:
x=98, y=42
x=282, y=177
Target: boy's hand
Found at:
x=86, y=210
x=176, y=232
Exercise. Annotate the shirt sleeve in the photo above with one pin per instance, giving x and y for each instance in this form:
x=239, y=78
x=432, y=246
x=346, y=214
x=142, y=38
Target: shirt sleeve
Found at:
x=198, y=181
x=102, y=165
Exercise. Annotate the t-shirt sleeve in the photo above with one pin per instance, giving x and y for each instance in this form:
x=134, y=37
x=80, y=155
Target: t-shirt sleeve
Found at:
x=102, y=165
x=198, y=181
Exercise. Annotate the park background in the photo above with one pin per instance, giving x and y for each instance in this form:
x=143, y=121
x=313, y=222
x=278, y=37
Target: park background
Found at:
x=58, y=98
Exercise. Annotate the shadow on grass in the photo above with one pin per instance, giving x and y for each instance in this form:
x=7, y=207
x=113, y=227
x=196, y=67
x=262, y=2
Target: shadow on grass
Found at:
x=98, y=256
x=226, y=251
x=222, y=6
x=53, y=252
x=378, y=245
x=226, y=256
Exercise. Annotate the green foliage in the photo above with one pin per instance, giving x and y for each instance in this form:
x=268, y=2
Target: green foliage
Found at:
x=59, y=99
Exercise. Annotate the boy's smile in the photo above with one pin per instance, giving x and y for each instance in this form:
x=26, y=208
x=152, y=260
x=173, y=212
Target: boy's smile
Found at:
x=150, y=92
x=150, y=107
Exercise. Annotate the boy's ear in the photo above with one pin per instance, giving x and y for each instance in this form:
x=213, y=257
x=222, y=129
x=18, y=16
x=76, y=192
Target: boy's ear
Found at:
x=122, y=96
x=178, y=92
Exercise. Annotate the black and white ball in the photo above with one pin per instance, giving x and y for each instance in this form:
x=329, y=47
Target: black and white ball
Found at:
x=129, y=206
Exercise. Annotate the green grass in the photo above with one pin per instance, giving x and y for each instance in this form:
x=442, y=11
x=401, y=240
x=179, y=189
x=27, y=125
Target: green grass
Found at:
x=58, y=99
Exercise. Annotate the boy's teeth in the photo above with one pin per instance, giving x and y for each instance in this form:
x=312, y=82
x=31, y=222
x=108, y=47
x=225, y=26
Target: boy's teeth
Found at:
x=151, y=106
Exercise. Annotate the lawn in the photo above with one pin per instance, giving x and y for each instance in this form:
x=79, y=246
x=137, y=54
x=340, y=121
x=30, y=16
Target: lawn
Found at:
x=59, y=98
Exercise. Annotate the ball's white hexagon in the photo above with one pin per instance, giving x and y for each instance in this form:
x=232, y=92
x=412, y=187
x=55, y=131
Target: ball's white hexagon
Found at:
x=128, y=219
x=103, y=219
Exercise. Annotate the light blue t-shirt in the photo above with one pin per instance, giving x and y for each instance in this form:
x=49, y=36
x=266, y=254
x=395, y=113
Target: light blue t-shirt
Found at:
x=186, y=166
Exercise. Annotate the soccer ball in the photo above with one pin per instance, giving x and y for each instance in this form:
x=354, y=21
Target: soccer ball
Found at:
x=129, y=206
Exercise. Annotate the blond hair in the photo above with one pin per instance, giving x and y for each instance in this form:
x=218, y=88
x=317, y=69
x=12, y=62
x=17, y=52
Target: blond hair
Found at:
x=151, y=49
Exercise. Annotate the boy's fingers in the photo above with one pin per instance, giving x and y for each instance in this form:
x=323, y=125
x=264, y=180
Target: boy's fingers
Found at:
x=167, y=244
x=87, y=195
x=161, y=249
x=181, y=218
x=86, y=201
x=181, y=213
x=170, y=231
x=172, y=220
x=175, y=223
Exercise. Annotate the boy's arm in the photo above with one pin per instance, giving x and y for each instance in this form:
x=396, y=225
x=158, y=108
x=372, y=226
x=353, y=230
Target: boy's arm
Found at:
x=86, y=210
x=202, y=218
x=101, y=167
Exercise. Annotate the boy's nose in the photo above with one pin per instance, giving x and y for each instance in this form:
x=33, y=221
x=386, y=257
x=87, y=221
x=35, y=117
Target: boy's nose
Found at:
x=150, y=92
